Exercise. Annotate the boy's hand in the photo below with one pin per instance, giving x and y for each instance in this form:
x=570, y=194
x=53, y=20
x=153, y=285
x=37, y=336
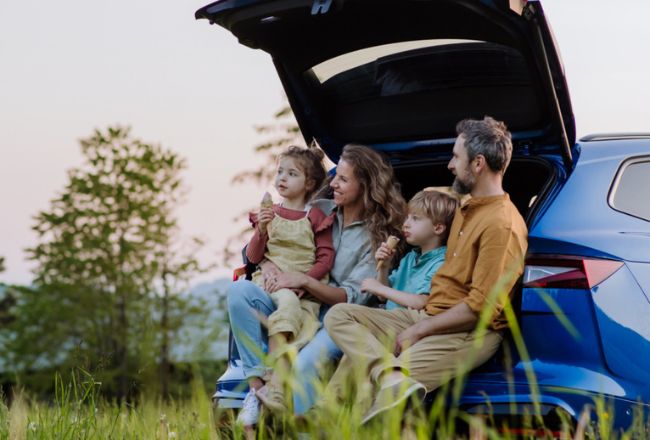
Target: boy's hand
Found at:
x=384, y=253
x=372, y=286
x=264, y=218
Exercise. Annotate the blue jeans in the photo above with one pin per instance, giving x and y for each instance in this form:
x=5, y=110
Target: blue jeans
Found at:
x=245, y=302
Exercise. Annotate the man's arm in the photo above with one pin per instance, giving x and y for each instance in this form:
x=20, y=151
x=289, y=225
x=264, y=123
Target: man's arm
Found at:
x=459, y=318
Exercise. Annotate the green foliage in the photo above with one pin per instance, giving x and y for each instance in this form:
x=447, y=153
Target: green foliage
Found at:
x=79, y=412
x=109, y=264
x=2, y=264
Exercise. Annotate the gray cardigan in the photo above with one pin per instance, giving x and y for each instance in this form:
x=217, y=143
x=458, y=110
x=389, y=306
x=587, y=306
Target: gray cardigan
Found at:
x=354, y=259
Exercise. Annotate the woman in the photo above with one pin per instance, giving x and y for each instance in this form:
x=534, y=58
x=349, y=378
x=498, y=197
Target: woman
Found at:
x=368, y=208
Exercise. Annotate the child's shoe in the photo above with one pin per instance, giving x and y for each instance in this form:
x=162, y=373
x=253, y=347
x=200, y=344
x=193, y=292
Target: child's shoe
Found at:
x=250, y=412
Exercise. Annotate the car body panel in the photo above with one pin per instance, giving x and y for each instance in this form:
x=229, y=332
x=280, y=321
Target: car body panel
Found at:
x=592, y=223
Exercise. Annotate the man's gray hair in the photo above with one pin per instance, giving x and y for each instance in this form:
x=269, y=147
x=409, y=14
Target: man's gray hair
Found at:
x=489, y=138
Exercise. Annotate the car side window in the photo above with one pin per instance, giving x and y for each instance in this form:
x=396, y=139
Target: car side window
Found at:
x=630, y=192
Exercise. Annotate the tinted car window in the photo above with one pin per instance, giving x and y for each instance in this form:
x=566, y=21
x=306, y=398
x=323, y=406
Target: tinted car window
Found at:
x=631, y=192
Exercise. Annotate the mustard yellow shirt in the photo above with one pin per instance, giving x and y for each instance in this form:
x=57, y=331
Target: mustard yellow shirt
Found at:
x=485, y=257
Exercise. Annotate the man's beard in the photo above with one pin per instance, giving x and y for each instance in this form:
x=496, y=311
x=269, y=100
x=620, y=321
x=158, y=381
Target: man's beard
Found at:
x=464, y=186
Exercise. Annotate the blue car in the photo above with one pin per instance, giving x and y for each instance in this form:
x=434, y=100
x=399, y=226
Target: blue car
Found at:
x=397, y=75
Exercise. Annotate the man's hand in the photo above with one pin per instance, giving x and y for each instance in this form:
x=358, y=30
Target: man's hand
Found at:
x=407, y=338
x=264, y=218
x=372, y=286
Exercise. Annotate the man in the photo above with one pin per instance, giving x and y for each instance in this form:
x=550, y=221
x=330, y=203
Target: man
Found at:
x=408, y=352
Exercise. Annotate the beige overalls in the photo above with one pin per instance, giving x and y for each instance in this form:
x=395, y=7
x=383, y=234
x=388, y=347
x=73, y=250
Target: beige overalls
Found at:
x=291, y=247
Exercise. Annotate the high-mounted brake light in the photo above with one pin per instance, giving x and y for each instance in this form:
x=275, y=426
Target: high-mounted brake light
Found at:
x=568, y=272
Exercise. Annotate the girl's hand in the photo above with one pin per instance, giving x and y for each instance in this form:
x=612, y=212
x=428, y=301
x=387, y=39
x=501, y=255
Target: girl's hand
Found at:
x=264, y=218
x=288, y=280
x=384, y=253
x=372, y=286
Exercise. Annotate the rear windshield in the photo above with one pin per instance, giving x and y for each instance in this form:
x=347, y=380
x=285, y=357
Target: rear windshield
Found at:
x=423, y=87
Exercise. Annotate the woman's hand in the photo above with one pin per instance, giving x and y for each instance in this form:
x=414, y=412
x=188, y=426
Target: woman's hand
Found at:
x=384, y=253
x=270, y=272
x=264, y=218
x=372, y=286
x=288, y=280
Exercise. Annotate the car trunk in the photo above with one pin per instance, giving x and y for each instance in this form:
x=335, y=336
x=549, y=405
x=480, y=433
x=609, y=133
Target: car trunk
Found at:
x=398, y=75
x=527, y=180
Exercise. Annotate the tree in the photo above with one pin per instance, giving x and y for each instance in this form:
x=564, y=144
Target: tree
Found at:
x=103, y=249
x=7, y=301
x=178, y=266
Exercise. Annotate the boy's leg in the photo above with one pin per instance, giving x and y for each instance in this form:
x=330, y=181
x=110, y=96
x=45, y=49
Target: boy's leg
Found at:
x=366, y=334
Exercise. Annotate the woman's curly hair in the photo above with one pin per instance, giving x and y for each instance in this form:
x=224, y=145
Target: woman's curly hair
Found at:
x=384, y=208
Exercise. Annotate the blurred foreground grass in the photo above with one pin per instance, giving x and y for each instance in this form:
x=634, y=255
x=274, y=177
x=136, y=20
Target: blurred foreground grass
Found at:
x=77, y=413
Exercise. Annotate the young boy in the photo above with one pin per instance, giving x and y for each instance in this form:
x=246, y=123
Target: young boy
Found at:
x=426, y=228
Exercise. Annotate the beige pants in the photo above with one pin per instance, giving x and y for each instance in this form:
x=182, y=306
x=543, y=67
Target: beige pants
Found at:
x=299, y=317
x=367, y=337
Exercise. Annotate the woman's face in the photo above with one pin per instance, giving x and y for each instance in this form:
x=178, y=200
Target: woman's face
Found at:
x=347, y=189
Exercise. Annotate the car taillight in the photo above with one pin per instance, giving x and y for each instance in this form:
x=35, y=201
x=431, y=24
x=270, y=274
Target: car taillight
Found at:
x=568, y=272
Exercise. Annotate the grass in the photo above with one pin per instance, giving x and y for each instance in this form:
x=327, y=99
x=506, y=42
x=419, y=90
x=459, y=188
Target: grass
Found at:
x=77, y=412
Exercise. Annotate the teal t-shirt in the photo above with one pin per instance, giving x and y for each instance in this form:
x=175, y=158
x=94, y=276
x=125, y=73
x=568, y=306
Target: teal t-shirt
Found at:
x=413, y=275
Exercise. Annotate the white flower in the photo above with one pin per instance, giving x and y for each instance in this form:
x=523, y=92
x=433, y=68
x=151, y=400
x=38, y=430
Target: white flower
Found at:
x=172, y=434
x=32, y=426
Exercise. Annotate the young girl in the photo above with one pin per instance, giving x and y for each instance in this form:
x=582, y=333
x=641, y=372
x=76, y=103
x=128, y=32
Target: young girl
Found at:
x=295, y=237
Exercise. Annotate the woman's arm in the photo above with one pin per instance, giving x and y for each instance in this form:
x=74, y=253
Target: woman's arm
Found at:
x=295, y=280
x=324, y=292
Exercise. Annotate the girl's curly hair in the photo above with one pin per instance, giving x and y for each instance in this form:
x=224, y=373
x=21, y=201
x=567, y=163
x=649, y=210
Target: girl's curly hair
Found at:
x=384, y=208
x=310, y=161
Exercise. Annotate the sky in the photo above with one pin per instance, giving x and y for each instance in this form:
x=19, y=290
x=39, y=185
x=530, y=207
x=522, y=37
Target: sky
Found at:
x=71, y=66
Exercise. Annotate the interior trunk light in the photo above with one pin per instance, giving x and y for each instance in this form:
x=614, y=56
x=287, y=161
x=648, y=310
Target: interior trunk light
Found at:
x=518, y=5
x=568, y=272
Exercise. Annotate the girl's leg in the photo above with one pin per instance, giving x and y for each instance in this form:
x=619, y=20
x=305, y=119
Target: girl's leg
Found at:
x=317, y=355
x=246, y=303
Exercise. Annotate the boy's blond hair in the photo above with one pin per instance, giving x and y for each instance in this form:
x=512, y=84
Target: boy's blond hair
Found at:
x=436, y=205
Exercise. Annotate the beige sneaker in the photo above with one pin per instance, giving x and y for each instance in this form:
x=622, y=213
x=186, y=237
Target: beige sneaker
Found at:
x=391, y=396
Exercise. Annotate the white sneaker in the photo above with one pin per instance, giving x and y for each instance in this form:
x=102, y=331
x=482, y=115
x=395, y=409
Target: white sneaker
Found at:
x=250, y=412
